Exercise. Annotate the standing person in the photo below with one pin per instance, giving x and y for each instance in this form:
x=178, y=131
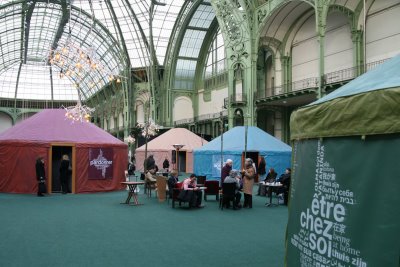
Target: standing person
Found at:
x=150, y=163
x=131, y=166
x=248, y=174
x=261, y=170
x=64, y=173
x=226, y=170
x=40, y=177
x=261, y=175
x=165, y=164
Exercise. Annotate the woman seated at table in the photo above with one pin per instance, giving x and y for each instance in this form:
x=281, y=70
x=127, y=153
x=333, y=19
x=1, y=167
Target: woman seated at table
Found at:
x=172, y=180
x=150, y=178
x=270, y=178
x=191, y=193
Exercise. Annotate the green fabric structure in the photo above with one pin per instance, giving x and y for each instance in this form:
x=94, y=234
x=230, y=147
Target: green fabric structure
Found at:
x=344, y=195
x=367, y=105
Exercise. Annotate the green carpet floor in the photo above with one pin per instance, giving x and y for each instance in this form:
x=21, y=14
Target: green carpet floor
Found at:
x=96, y=230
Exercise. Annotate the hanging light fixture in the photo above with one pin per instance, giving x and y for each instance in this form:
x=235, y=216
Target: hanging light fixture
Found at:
x=81, y=61
x=79, y=112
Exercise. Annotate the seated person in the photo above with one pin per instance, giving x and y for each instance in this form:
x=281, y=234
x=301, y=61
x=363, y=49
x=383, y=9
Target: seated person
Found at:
x=234, y=178
x=172, y=180
x=270, y=178
x=284, y=179
x=150, y=178
x=191, y=193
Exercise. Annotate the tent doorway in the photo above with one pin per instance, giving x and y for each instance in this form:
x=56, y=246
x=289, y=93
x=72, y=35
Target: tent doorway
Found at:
x=57, y=151
x=182, y=161
x=254, y=157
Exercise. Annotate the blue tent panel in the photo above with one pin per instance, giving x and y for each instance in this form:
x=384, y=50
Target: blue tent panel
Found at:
x=257, y=140
x=207, y=159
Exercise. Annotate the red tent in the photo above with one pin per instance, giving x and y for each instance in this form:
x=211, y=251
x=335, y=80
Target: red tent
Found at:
x=98, y=159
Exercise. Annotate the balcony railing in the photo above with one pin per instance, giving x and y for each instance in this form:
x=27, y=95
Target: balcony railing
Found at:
x=184, y=121
x=330, y=78
x=203, y=117
x=216, y=81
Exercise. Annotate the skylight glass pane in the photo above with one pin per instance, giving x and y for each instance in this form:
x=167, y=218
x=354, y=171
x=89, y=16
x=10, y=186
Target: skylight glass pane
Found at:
x=191, y=43
x=8, y=82
x=34, y=83
x=203, y=17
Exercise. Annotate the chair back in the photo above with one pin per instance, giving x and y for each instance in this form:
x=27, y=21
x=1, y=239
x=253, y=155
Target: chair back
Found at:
x=177, y=189
x=161, y=188
x=212, y=187
x=201, y=179
x=228, y=189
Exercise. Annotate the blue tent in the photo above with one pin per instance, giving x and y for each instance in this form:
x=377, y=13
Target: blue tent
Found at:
x=207, y=159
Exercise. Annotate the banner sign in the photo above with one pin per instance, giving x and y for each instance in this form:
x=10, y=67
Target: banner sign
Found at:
x=216, y=167
x=343, y=208
x=100, y=163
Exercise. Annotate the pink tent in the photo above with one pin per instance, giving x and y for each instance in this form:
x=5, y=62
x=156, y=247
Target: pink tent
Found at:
x=98, y=159
x=162, y=147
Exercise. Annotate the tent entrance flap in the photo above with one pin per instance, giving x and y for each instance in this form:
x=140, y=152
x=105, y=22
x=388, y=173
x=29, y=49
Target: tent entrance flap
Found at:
x=56, y=154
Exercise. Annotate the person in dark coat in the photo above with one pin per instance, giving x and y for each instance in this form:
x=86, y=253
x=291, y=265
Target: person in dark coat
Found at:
x=150, y=163
x=64, y=173
x=165, y=164
x=131, y=166
x=40, y=177
x=270, y=178
x=285, y=181
x=234, y=178
x=172, y=180
x=262, y=168
x=226, y=170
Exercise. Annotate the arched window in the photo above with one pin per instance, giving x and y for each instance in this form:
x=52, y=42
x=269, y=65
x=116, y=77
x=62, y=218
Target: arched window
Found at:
x=215, y=67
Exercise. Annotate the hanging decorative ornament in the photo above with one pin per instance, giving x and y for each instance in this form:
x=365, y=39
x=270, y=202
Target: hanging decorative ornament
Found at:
x=77, y=62
x=79, y=112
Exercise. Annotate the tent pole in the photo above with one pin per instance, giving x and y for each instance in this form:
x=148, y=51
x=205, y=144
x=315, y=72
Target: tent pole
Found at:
x=245, y=141
x=222, y=141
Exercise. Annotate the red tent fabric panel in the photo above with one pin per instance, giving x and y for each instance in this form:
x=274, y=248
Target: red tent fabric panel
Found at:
x=84, y=185
x=17, y=167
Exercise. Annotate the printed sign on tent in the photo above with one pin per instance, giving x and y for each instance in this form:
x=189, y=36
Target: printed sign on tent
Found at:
x=216, y=167
x=100, y=163
x=331, y=214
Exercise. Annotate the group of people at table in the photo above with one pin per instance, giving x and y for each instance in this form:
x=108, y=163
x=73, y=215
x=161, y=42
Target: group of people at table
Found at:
x=244, y=180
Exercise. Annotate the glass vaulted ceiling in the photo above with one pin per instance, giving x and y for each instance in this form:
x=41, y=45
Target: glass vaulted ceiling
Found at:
x=192, y=42
x=28, y=30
